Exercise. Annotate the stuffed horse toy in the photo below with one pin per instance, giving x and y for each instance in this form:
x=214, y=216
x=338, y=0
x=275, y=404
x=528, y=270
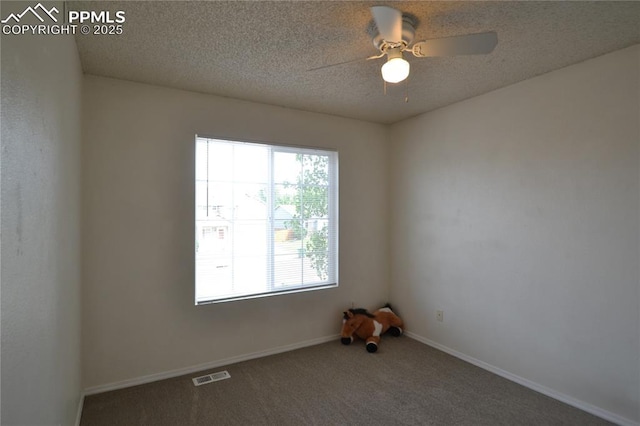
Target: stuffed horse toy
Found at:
x=369, y=327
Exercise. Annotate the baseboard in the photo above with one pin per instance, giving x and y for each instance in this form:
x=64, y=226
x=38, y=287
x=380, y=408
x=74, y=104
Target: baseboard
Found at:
x=79, y=413
x=206, y=366
x=585, y=406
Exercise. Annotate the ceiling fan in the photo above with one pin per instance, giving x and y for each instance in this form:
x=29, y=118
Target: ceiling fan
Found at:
x=394, y=31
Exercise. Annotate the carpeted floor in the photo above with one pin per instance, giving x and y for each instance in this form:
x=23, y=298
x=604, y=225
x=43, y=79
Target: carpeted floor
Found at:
x=404, y=383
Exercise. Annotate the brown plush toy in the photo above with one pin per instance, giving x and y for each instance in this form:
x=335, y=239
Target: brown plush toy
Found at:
x=369, y=327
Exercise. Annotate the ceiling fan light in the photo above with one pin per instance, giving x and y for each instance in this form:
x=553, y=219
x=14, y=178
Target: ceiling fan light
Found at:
x=395, y=70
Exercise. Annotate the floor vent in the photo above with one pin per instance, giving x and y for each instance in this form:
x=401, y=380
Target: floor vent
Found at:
x=210, y=378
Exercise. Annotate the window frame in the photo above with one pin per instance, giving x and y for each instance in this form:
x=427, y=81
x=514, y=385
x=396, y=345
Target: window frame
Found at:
x=332, y=218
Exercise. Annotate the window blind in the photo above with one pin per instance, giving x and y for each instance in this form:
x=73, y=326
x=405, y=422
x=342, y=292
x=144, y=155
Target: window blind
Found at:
x=266, y=219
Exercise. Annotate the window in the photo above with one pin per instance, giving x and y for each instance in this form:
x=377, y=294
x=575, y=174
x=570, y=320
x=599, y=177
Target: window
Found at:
x=266, y=220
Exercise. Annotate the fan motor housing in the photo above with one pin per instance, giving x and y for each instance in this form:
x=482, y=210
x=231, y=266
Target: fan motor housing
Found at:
x=408, y=31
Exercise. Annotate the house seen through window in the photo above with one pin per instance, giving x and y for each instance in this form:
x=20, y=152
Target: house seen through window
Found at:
x=266, y=220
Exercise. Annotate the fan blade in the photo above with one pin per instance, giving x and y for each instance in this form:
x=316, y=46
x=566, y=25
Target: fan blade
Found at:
x=348, y=62
x=389, y=22
x=335, y=65
x=471, y=44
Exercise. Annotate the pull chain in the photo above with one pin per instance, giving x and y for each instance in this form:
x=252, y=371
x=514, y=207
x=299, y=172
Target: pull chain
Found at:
x=406, y=91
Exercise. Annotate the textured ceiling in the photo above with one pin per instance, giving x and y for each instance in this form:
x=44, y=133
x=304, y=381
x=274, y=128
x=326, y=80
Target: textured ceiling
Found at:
x=262, y=51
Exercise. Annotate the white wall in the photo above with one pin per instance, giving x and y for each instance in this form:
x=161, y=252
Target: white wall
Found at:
x=40, y=196
x=517, y=214
x=138, y=210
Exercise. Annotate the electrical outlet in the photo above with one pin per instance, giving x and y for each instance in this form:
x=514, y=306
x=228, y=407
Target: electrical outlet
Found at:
x=440, y=315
